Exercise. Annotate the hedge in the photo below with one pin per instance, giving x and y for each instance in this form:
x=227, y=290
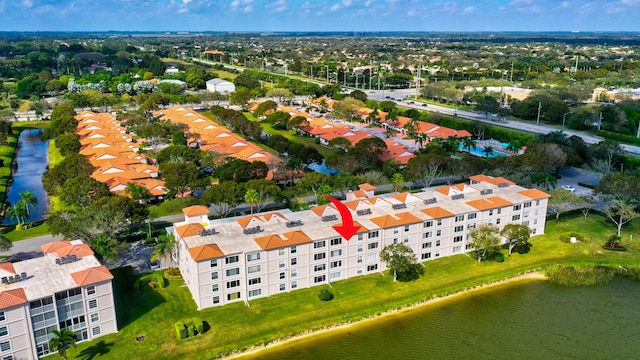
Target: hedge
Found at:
x=491, y=132
x=629, y=139
x=181, y=330
x=189, y=328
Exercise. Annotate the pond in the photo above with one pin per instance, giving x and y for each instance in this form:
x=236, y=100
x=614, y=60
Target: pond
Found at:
x=525, y=320
x=32, y=161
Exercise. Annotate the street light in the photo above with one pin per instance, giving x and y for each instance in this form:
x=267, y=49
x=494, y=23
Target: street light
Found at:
x=564, y=117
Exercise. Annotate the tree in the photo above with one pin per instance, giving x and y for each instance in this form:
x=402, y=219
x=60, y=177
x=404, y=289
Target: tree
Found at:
x=251, y=197
x=5, y=244
x=587, y=203
x=469, y=143
x=620, y=211
x=264, y=107
x=425, y=168
x=544, y=179
x=17, y=213
x=483, y=239
x=487, y=150
x=358, y=95
x=397, y=180
x=62, y=340
x=240, y=171
x=105, y=247
x=562, y=200
x=347, y=107
x=340, y=142
x=69, y=168
x=28, y=200
x=164, y=248
x=281, y=94
x=608, y=152
x=179, y=178
x=68, y=143
x=240, y=97
x=400, y=259
x=487, y=104
x=516, y=235
x=137, y=192
x=267, y=191
x=225, y=196
x=83, y=191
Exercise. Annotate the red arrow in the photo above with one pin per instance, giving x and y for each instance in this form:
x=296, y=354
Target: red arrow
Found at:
x=347, y=229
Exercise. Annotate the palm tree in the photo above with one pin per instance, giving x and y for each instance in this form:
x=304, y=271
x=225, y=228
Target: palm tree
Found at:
x=487, y=150
x=372, y=117
x=513, y=146
x=28, y=199
x=62, y=340
x=137, y=192
x=451, y=144
x=469, y=143
x=17, y=213
x=105, y=247
x=293, y=166
x=544, y=178
x=164, y=248
x=251, y=197
x=397, y=179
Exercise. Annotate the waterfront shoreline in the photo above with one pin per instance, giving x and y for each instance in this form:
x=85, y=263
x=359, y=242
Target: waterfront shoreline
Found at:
x=256, y=350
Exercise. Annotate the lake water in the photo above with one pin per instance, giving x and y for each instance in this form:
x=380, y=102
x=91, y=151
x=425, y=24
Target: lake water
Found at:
x=526, y=320
x=32, y=161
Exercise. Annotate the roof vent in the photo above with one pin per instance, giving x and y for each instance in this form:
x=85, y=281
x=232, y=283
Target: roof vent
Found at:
x=457, y=196
x=430, y=201
x=399, y=206
x=329, y=218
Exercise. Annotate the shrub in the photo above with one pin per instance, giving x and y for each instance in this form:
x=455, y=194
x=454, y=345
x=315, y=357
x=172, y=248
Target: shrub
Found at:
x=192, y=329
x=173, y=274
x=325, y=295
x=498, y=257
x=579, y=276
x=181, y=330
x=199, y=324
x=566, y=237
x=629, y=139
x=614, y=247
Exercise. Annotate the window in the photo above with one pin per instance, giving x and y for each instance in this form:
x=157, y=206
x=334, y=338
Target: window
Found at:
x=293, y=249
x=319, y=256
x=472, y=216
x=372, y=267
x=253, y=269
x=471, y=226
x=360, y=248
x=281, y=252
x=525, y=223
x=92, y=304
x=283, y=287
x=254, y=293
x=4, y=331
x=253, y=257
x=335, y=275
x=95, y=317
x=373, y=234
x=437, y=242
x=232, y=259
x=319, y=279
x=457, y=249
x=335, y=253
x=406, y=228
x=213, y=263
x=336, y=264
x=427, y=235
x=406, y=239
x=360, y=236
x=359, y=270
x=515, y=218
x=5, y=346
x=372, y=246
x=499, y=211
x=255, y=281
x=372, y=257
x=497, y=221
x=427, y=224
x=95, y=331
x=468, y=247
x=533, y=231
x=232, y=284
x=536, y=213
x=439, y=222
x=233, y=272
x=527, y=204
x=320, y=267
x=294, y=272
x=491, y=212
x=426, y=256
x=215, y=287
x=319, y=244
x=3, y=316
x=294, y=285
x=459, y=218
x=395, y=240
x=396, y=230
x=535, y=221
x=91, y=290
x=458, y=228
x=282, y=275
x=537, y=202
x=233, y=296
x=426, y=245
x=359, y=259
x=216, y=300
x=438, y=232
x=526, y=214
x=214, y=275
x=336, y=241
x=517, y=207
x=294, y=261
x=282, y=264
x=10, y=357
x=437, y=253
x=457, y=239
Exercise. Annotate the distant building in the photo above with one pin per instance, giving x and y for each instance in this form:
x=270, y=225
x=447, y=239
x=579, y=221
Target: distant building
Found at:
x=182, y=84
x=67, y=288
x=171, y=70
x=221, y=86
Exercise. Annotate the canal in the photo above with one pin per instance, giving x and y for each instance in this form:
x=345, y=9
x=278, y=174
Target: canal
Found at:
x=525, y=320
x=31, y=160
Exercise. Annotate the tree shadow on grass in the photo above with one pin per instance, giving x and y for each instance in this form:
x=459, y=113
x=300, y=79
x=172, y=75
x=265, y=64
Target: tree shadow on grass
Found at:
x=132, y=304
x=205, y=327
x=99, y=349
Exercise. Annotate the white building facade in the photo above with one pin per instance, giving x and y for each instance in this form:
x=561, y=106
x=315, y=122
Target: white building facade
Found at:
x=65, y=288
x=221, y=86
x=245, y=258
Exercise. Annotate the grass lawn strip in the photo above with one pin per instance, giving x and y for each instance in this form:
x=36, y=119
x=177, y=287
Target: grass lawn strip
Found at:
x=236, y=327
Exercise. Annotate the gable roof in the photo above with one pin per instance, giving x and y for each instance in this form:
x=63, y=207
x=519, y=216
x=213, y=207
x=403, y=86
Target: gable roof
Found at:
x=92, y=275
x=534, y=194
x=54, y=246
x=398, y=219
x=489, y=203
x=205, y=252
x=270, y=242
x=437, y=212
x=189, y=230
x=196, y=210
x=13, y=297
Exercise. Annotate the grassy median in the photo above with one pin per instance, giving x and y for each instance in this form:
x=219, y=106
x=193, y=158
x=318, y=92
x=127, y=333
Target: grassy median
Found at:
x=153, y=312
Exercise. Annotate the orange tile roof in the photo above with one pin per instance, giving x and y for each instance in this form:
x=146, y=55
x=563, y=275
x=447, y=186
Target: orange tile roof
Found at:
x=13, y=297
x=491, y=180
x=92, y=276
x=534, y=194
x=244, y=221
x=366, y=186
x=8, y=267
x=54, y=246
x=80, y=250
x=437, y=212
x=489, y=203
x=195, y=210
x=399, y=219
x=187, y=230
x=205, y=252
x=271, y=242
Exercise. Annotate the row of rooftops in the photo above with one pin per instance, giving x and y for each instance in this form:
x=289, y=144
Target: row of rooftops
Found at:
x=44, y=276
x=110, y=149
x=274, y=229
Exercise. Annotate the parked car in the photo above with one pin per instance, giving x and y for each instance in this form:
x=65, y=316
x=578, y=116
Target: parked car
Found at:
x=425, y=105
x=569, y=188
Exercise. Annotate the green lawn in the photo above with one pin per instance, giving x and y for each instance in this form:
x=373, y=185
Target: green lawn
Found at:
x=7, y=152
x=152, y=313
x=221, y=73
x=36, y=230
x=171, y=207
x=55, y=157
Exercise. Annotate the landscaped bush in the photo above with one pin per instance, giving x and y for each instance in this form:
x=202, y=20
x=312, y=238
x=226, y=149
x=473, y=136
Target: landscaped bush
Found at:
x=181, y=330
x=498, y=257
x=325, y=295
x=614, y=244
x=189, y=327
x=173, y=274
x=153, y=279
x=566, y=237
x=629, y=139
x=579, y=276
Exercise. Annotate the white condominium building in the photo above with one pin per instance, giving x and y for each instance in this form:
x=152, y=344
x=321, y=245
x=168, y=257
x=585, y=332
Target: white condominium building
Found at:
x=248, y=257
x=65, y=288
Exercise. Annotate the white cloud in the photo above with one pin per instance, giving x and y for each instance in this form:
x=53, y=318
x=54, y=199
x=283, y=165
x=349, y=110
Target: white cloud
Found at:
x=245, y=6
x=278, y=6
x=336, y=7
x=27, y=3
x=468, y=10
x=346, y=3
x=368, y=3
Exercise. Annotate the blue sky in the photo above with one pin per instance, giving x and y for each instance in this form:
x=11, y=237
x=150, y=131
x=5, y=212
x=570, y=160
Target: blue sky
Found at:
x=319, y=15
